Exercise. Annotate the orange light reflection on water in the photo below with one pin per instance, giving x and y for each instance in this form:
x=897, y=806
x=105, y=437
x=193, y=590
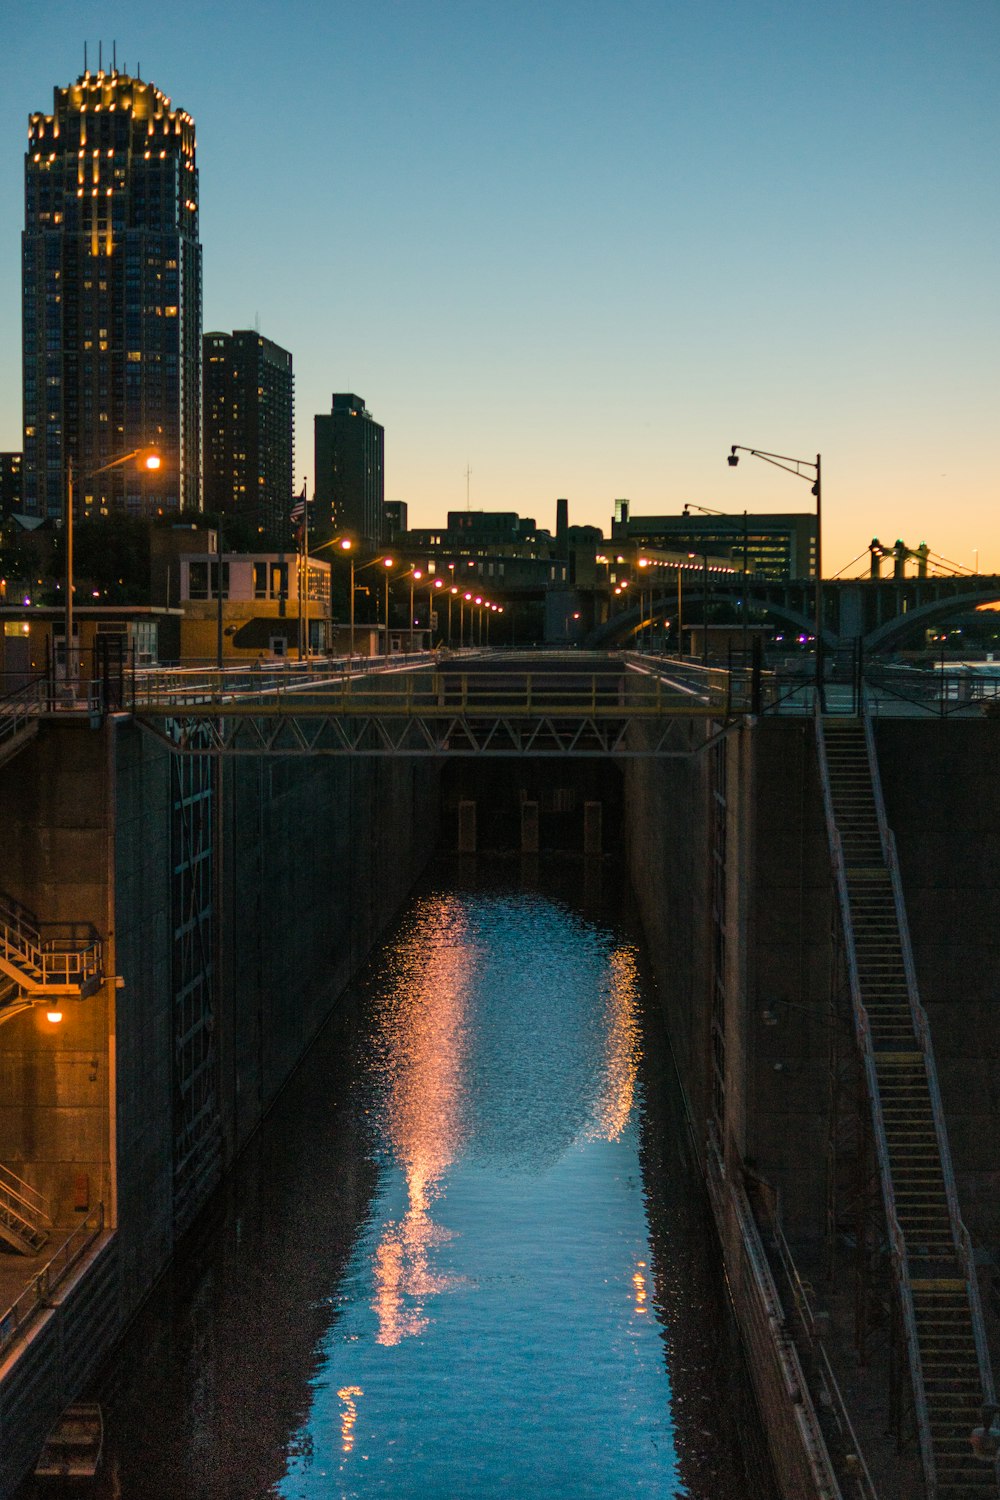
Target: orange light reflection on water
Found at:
x=426, y=1049
x=621, y=1061
x=349, y=1416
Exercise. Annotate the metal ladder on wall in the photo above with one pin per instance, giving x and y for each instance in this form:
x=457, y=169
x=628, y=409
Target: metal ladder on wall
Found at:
x=24, y=1215
x=930, y=1248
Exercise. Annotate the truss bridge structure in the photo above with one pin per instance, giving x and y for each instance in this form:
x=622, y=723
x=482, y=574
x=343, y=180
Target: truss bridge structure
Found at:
x=575, y=707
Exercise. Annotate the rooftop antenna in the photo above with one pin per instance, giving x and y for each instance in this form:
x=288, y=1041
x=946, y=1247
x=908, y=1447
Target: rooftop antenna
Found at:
x=114, y=57
x=100, y=57
x=468, y=472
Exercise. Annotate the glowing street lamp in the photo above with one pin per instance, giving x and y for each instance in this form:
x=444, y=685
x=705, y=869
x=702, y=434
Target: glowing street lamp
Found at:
x=346, y=544
x=147, y=459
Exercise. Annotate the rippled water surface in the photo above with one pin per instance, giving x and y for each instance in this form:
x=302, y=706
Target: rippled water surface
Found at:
x=466, y=1256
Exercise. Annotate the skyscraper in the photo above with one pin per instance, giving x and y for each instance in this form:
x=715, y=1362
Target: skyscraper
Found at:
x=111, y=299
x=249, y=428
x=350, y=482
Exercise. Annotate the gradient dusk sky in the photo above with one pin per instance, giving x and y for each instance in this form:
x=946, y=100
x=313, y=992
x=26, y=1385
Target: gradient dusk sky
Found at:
x=584, y=248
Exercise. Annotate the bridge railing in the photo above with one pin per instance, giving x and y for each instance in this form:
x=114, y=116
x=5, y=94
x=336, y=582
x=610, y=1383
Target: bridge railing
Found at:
x=942, y=692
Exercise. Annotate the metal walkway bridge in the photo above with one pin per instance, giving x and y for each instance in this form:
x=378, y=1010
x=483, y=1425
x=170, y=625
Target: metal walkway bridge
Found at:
x=572, y=703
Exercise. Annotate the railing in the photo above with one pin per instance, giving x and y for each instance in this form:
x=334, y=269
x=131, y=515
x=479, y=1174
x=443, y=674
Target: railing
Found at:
x=68, y=956
x=942, y=692
x=899, y=1257
x=19, y=708
x=448, y=690
x=782, y=1389
x=837, y=1406
x=921, y=1027
x=38, y=1294
x=24, y=1196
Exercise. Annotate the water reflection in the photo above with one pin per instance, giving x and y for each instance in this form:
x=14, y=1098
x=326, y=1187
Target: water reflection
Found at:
x=464, y=1259
x=421, y=1055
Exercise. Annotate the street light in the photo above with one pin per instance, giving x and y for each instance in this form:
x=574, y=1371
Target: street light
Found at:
x=388, y=563
x=796, y=466
x=346, y=544
x=707, y=511
x=149, y=459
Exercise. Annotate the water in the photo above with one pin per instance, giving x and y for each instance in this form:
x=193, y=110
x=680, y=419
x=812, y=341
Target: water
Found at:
x=466, y=1256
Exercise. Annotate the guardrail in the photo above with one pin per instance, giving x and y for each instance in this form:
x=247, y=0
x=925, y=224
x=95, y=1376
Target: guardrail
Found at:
x=38, y=1294
x=834, y=1401
x=793, y=1427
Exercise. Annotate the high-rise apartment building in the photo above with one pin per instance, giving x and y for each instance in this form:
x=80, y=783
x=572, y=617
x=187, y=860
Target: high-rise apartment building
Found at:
x=11, y=485
x=111, y=300
x=350, y=481
x=249, y=430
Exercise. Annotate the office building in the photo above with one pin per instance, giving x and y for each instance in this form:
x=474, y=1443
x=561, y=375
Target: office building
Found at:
x=350, y=480
x=779, y=545
x=111, y=291
x=249, y=431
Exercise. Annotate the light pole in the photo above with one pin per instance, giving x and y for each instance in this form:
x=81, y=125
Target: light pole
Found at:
x=346, y=544
x=452, y=592
x=796, y=466
x=387, y=563
x=149, y=459
x=707, y=511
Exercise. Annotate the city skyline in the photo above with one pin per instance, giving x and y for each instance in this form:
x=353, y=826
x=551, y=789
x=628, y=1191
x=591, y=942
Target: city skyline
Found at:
x=584, y=259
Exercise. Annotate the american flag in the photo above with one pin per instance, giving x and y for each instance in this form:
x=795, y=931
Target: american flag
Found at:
x=299, y=508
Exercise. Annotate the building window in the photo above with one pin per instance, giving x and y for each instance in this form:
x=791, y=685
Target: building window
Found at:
x=198, y=580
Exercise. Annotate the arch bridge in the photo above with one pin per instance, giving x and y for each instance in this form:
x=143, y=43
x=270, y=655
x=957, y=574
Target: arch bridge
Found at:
x=880, y=612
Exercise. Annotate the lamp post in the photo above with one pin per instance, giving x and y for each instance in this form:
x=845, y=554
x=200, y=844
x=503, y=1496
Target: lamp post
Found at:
x=388, y=563
x=415, y=573
x=346, y=544
x=707, y=511
x=796, y=466
x=149, y=459
x=452, y=592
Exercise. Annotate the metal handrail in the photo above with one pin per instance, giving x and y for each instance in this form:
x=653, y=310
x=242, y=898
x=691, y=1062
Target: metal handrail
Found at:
x=19, y=706
x=921, y=1026
x=12, y=1186
x=822, y=1478
x=37, y=1295
x=899, y=1256
x=803, y=1306
x=72, y=953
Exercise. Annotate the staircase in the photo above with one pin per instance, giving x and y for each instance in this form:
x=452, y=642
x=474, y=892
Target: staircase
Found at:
x=24, y=1215
x=931, y=1253
x=61, y=960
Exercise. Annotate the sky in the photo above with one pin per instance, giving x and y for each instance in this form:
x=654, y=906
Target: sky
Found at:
x=580, y=249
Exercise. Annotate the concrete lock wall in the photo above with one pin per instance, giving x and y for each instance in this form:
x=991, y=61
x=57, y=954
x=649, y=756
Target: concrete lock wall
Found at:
x=728, y=857
x=310, y=859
